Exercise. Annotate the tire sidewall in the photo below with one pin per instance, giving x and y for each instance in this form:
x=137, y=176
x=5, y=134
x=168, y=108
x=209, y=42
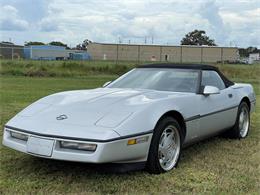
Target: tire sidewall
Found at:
x=153, y=151
x=242, y=104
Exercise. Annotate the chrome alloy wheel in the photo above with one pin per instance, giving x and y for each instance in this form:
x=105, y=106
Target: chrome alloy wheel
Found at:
x=243, y=122
x=169, y=147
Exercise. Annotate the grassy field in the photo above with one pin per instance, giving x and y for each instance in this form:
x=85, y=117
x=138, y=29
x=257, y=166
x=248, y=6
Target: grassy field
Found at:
x=214, y=166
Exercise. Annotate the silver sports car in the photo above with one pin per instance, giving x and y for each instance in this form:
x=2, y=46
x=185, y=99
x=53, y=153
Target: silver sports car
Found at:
x=147, y=115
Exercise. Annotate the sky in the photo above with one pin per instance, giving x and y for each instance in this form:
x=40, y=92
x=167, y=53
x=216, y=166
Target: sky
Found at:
x=228, y=22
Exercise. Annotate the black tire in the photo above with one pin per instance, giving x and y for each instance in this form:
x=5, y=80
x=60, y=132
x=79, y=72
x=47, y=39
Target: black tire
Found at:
x=235, y=131
x=153, y=164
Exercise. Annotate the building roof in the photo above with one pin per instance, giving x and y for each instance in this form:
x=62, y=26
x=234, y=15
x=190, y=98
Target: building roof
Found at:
x=46, y=47
x=9, y=45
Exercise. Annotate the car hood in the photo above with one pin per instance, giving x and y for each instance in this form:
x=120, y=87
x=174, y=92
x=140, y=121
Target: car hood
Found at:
x=96, y=109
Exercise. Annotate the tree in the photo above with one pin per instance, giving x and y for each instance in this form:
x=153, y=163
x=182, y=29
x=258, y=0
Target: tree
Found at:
x=84, y=45
x=33, y=43
x=197, y=37
x=58, y=43
x=244, y=52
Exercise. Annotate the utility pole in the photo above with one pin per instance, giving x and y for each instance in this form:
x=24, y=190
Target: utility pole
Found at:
x=201, y=55
x=12, y=53
x=181, y=55
x=116, y=54
x=222, y=60
x=138, y=58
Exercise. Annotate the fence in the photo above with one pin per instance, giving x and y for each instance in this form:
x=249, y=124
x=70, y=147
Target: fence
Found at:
x=11, y=53
x=44, y=53
x=137, y=53
x=180, y=54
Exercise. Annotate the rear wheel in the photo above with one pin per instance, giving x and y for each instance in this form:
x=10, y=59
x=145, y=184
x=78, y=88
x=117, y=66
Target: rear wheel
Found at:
x=165, y=146
x=242, y=125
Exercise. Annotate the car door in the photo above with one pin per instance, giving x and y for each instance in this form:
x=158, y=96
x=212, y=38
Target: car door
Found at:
x=217, y=111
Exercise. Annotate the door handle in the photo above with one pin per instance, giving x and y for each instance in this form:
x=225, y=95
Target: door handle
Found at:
x=230, y=95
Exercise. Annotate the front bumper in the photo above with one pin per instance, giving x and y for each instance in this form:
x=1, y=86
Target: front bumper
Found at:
x=117, y=151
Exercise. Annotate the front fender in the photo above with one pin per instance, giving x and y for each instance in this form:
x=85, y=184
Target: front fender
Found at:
x=147, y=118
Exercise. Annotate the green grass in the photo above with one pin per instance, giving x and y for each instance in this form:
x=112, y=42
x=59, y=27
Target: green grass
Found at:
x=62, y=68
x=32, y=68
x=215, y=166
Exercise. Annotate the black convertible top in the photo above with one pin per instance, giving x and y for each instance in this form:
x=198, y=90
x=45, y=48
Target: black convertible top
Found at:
x=182, y=66
x=190, y=66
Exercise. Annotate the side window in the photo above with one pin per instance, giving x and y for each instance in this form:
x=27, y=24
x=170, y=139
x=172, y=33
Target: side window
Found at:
x=212, y=78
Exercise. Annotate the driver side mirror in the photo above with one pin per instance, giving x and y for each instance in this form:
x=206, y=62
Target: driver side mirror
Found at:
x=106, y=83
x=209, y=90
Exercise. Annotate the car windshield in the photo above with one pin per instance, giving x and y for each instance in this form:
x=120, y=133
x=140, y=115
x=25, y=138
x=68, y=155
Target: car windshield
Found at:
x=162, y=79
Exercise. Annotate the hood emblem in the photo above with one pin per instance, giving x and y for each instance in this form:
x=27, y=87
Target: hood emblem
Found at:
x=61, y=117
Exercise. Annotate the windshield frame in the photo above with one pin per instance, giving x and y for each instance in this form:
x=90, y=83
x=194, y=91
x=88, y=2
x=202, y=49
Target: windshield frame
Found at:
x=193, y=70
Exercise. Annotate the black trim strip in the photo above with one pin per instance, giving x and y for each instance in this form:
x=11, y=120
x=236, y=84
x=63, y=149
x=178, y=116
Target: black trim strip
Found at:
x=211, y=113
x=219, y=111
x=199, y=90
x=78, y=139
x=192, y=118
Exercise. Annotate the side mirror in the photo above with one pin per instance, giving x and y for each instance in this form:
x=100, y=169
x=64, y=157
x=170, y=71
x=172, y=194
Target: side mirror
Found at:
x=106, y=83
x=209, y=90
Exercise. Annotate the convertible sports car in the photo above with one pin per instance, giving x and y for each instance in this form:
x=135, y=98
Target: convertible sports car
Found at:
x=147, y=115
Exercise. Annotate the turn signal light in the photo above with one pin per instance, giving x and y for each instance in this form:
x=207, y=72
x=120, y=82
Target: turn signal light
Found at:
x=137, y=140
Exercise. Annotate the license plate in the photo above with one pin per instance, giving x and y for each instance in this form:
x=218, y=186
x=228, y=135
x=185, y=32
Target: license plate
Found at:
x=40, y=146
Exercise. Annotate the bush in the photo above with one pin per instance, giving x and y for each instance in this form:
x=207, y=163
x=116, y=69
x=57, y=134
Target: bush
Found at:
x=14, y=72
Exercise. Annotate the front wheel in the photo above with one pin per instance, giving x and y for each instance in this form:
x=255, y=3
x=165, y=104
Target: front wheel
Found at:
x=165, y=146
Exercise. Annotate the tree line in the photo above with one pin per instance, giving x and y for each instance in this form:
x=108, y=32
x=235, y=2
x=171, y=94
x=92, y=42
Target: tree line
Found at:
x=81, y=46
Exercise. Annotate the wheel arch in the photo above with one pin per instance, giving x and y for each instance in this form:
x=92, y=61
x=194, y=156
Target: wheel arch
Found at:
x=178, y=116
x=247, y=101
